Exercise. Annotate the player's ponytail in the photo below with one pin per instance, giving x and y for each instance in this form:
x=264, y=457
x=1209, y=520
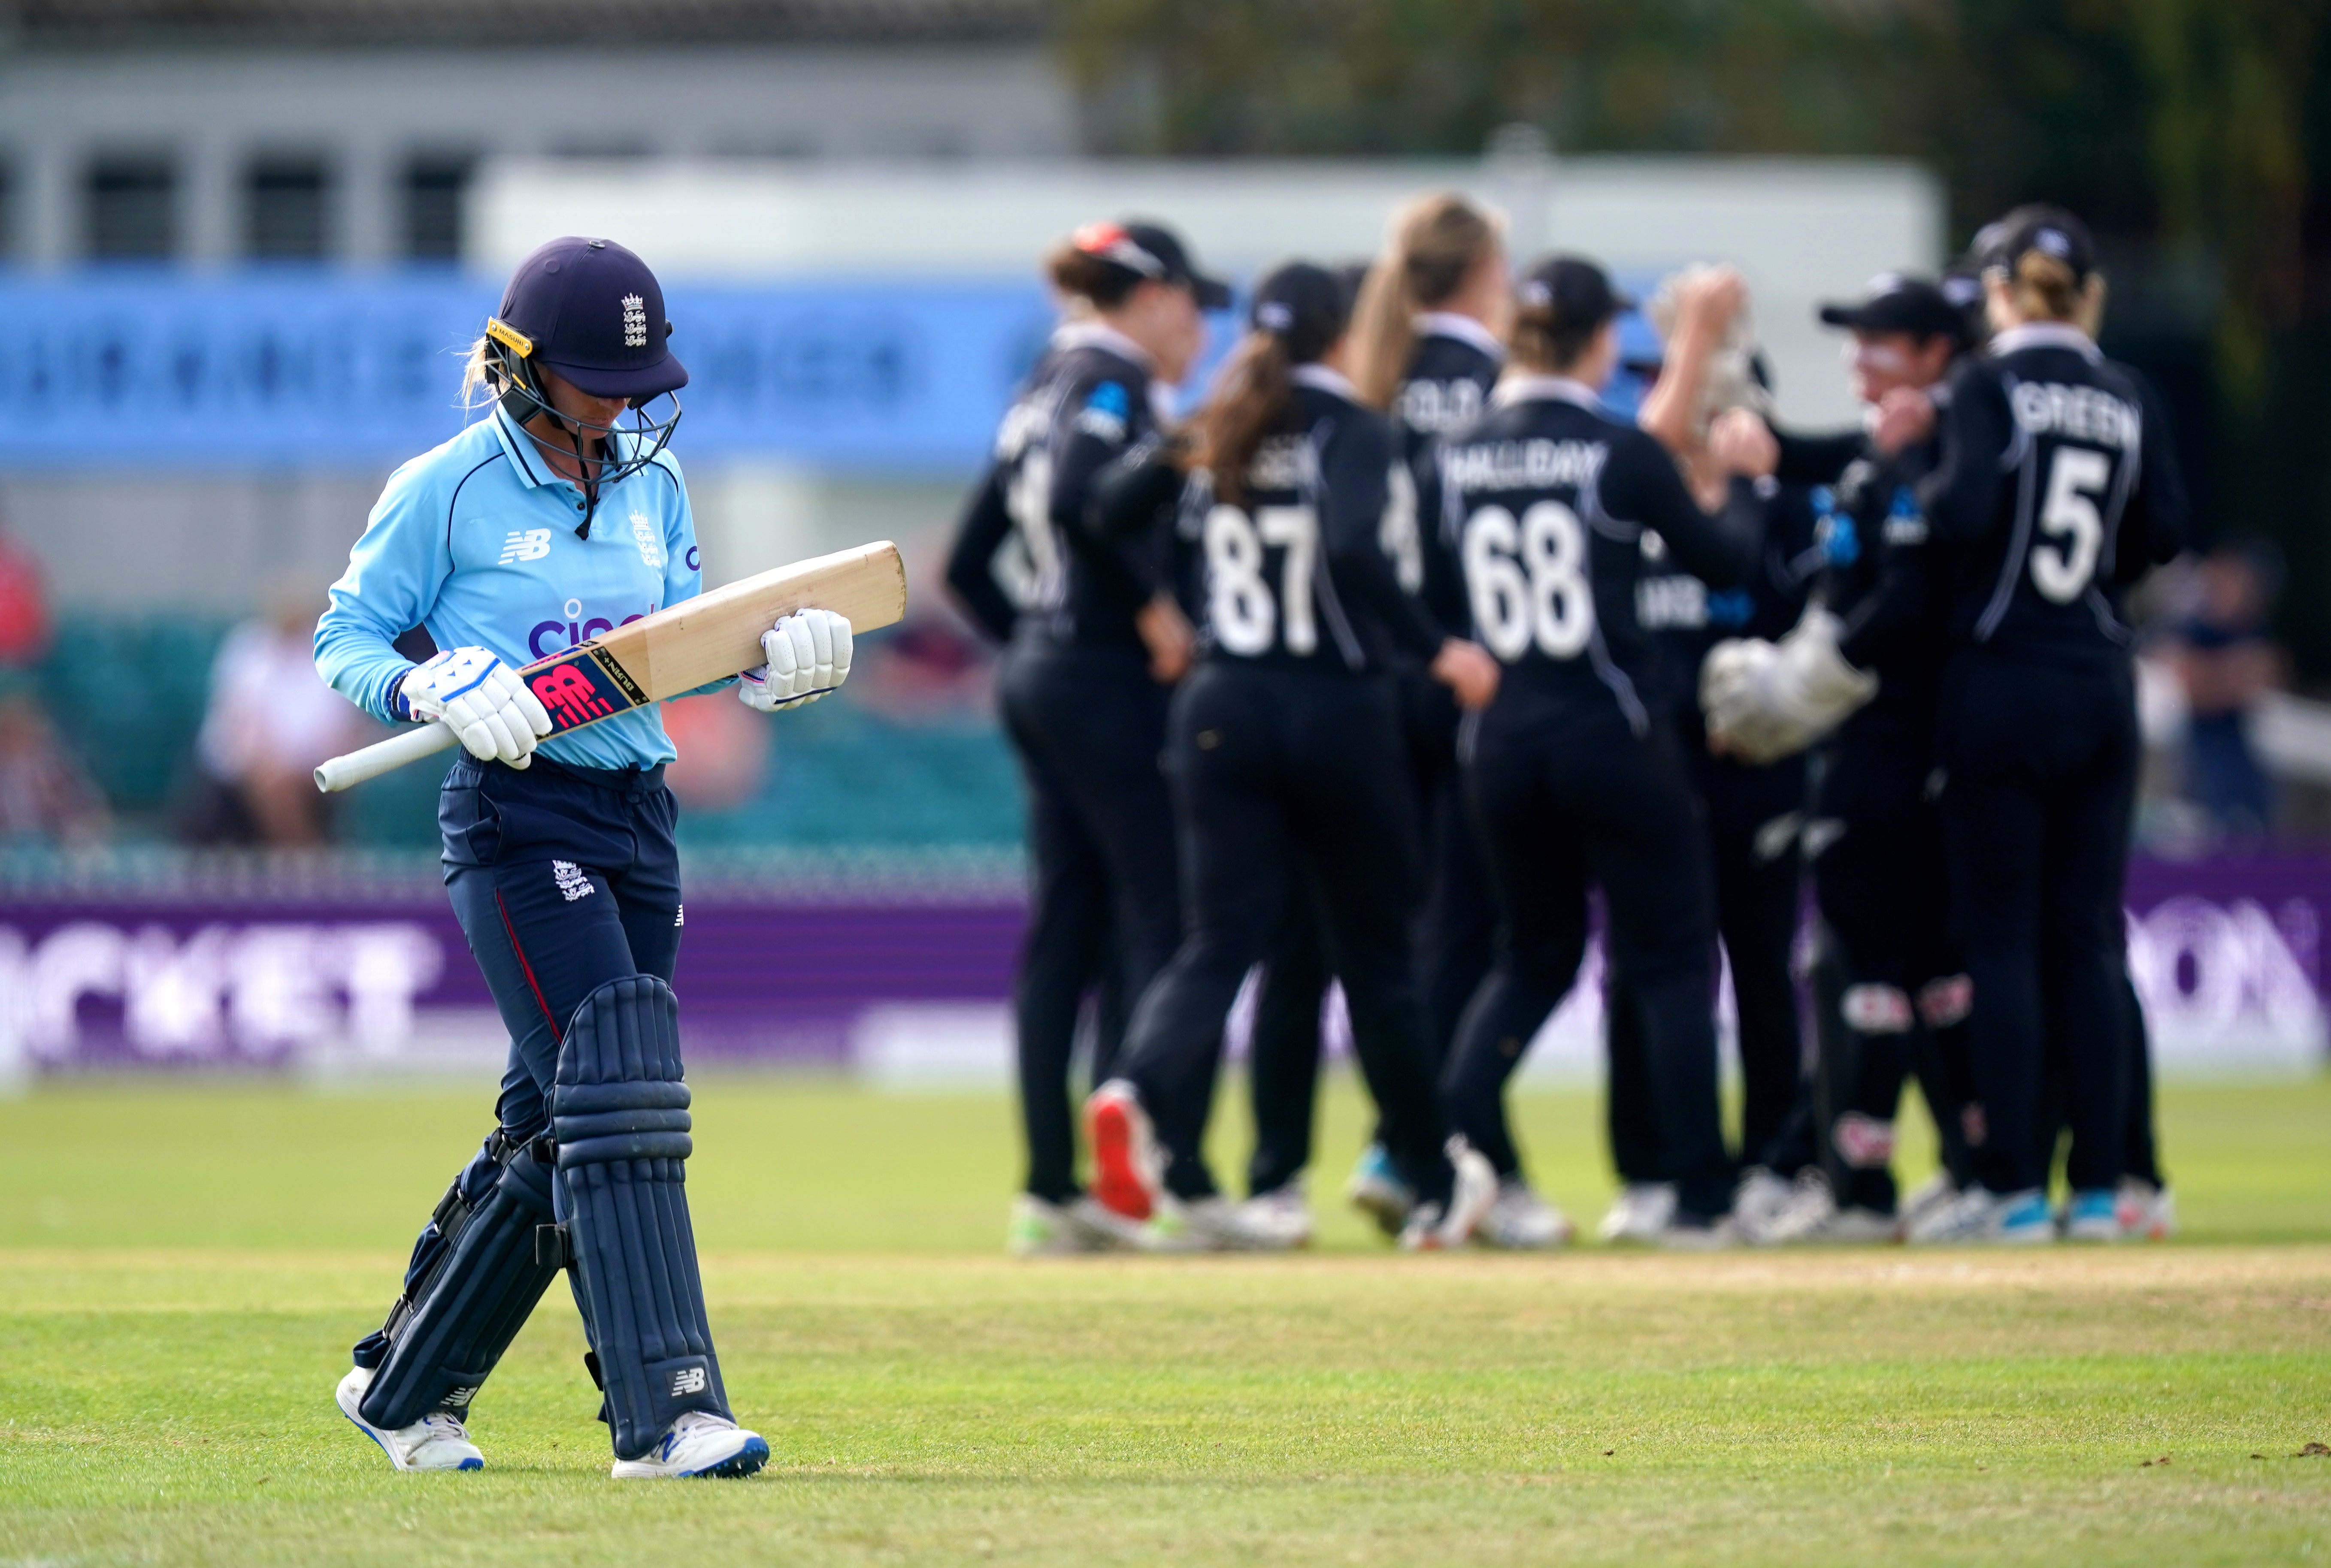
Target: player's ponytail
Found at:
x=479, y=385
x=1078, y=275
x=1436, y=242
x=1253, y=398
x=2046, y=289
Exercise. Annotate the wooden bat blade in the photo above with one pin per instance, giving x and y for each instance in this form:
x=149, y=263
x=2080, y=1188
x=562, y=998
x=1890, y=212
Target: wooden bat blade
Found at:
x=708, y=638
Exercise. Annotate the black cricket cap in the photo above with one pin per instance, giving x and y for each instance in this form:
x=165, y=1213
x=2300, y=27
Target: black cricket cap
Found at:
x=1303, y=305
x=591, y=311
x=2049, y=230
x=1892, y=302
x=1153, y=251
x=1570, y=294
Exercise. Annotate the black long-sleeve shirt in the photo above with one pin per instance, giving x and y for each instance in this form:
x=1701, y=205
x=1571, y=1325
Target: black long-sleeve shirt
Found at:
x=1545, y=503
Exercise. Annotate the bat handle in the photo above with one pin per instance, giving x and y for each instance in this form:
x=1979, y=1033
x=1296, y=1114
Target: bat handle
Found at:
x=382, y=756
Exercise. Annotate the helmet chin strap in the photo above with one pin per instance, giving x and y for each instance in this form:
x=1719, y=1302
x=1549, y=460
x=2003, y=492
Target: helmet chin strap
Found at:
x=523, y=402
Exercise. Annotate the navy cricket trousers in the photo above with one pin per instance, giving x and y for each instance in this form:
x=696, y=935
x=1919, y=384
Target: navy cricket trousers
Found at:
x=563, y=878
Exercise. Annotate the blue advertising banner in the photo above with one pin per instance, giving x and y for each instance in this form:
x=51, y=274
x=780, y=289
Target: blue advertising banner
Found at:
x=133, y=366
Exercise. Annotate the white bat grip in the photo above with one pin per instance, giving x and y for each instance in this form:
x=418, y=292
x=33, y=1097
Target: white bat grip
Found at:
x=382, y=756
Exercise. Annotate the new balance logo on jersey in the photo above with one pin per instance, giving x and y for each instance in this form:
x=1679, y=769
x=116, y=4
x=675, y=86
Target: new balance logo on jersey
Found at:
x=573, y=883
x=635, y=321
x=524, y=545
x=688, y=1380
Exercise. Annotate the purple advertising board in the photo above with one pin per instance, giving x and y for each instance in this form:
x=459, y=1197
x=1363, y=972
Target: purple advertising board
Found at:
x=2226, y=953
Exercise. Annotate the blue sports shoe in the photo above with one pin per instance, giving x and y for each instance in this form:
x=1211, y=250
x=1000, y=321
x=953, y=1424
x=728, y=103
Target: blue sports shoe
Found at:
x=2093, y=1215
x=1377, y=1190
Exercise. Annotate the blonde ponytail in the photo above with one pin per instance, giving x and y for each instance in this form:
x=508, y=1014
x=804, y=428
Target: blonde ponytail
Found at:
x=1436, y=242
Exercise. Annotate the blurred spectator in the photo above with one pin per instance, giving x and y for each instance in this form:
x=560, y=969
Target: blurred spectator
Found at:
x=23, y=609
x=923, y=672
x=724, y=751
x=270, y=720
x=45, y=796
x=2225, y=663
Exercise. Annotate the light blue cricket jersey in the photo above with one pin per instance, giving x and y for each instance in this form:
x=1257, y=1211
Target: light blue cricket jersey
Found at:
x=475, y=541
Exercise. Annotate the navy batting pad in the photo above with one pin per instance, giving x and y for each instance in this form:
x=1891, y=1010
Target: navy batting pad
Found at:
x=473, y=1306
x=620, y=1114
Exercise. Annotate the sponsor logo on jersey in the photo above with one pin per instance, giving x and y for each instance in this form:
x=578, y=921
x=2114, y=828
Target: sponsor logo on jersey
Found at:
x=542, y=641
x=649, y=539
x=635, y=321
x=572, y=883
x=1106, y=411
x=1439, y=406
x=524, y=545
x=1670, y=603
x=688, y=1380
x=694, y=560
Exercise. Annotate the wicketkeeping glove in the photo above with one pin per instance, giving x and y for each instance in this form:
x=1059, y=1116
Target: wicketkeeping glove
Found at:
x=1768, y=700
x=481, y=700
x=808, y=654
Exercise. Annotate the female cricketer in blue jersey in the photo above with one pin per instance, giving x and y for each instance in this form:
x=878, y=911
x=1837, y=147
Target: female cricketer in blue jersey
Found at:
x=560, y=515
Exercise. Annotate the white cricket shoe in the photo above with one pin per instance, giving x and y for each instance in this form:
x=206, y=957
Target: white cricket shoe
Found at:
x=1640, y=1214
x=1475, y=1194
x=1522, y=1222
x=1980, y=1217
x=1213, y=1224
x=1929, y=1195
x=434, y=1442
x=1128, y=1167
x=1040, y=1229
x=1761, y=1195
x=1377, y=1190
x=1282, y=1216
x=697, y=1445
x=1813, y=1216
x=2146, y=1213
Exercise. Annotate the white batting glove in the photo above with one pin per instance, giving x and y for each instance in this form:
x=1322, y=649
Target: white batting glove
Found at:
x=808, y=654
x=1768, y=700
x=481, y=700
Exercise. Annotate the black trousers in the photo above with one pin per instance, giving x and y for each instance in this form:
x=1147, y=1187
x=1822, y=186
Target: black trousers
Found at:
x=1287, y=785
x=1891, y=985
x=1567, y=796
x=1105, y=911
x=1752, y=815
x=2041, y=764
x=1456, y=935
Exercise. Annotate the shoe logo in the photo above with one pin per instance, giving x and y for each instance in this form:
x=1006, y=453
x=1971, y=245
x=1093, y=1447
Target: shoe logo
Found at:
x=572, y=883
x=688, y=1380
x=524, y=545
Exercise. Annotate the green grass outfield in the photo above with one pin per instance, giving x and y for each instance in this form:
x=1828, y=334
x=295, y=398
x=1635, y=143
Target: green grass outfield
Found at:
x=181, y=1271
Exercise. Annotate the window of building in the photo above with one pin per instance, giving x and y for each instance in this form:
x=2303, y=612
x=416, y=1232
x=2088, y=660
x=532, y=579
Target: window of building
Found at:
x=433, y=185
x=131, y=208
x=285, y=200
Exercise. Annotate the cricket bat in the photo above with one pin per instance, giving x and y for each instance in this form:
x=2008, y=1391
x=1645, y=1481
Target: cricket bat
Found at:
x=710, y=637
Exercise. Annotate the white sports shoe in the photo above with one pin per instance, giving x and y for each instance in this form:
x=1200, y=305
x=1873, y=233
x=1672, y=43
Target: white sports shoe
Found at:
x=1213, y=1224
x=697, y=1445
x=2146, y=1213
x=434, y=1442
x=1040, y=1229
x=1813, y=1216
x=1929, y=1195
x=1978, y=1216
x=1377, y=1190
x=1640, y=1212
x=1521, y=1221
x=1282, y=1216
x=1428, y=1229
x=1761, y=1195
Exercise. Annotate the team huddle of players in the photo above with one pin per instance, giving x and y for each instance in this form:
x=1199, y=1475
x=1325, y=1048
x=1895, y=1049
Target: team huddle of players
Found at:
x=1408, y=662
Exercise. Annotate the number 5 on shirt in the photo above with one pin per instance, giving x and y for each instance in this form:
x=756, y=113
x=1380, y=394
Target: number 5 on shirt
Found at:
x=674, y=650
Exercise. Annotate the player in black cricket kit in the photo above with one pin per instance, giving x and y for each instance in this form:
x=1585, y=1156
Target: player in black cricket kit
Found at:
x=1751, y=811
x=2057, y=483
x=1891, y=992
x=1097, y=644
x=1428, y=340
x=560, y=865
x=1285, y=759
x=1546, y=500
